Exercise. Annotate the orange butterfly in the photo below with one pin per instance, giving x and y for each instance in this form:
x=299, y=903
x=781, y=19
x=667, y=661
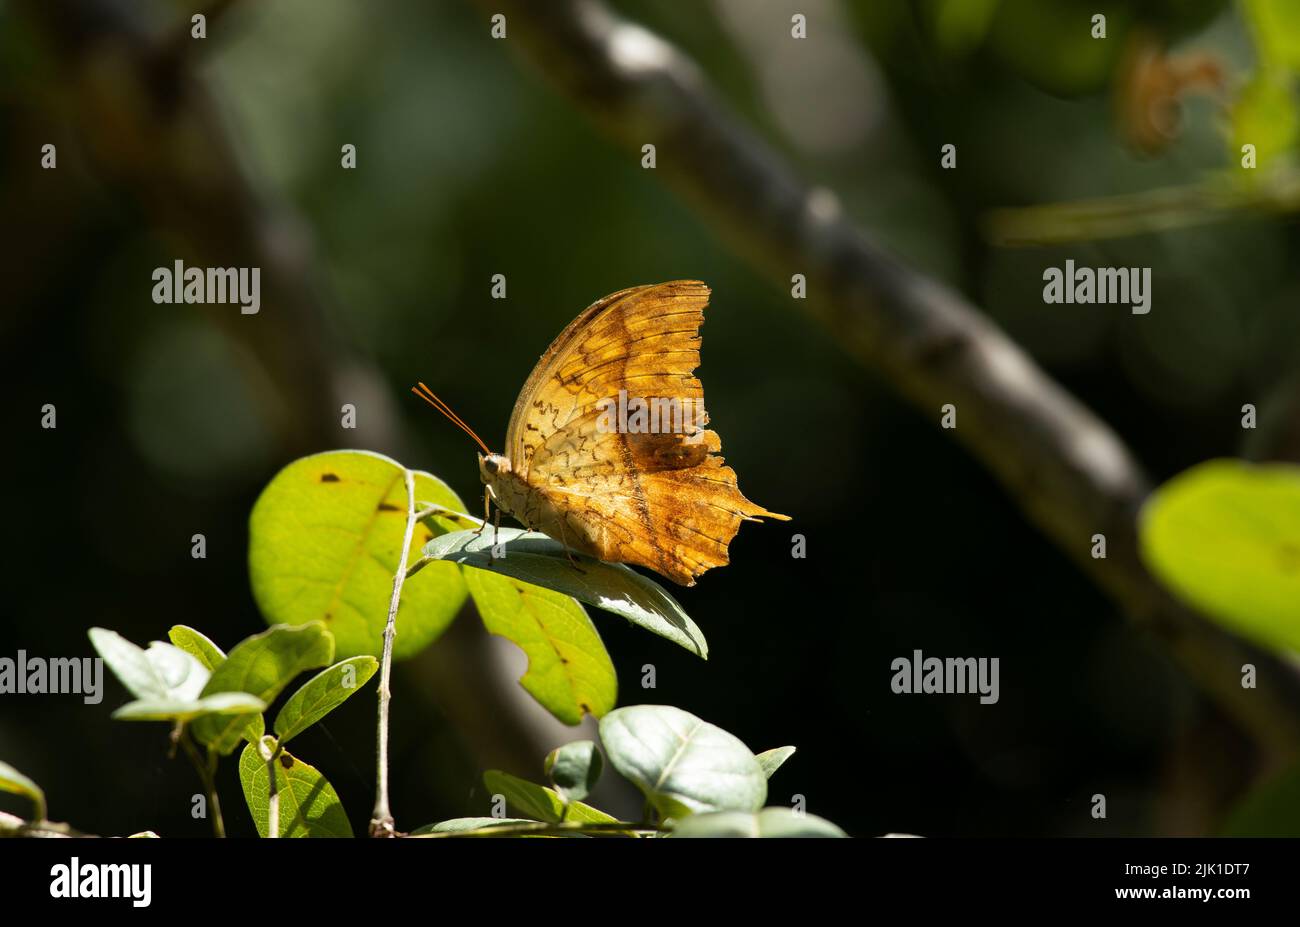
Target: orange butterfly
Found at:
x=627, y=480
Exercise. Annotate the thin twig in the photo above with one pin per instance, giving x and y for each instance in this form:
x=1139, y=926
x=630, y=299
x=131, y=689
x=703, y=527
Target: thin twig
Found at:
x=381, y=821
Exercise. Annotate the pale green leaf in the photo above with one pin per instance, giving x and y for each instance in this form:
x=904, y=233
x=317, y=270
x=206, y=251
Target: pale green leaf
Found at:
x=770, y=822
x=323, y=545
x=129, y=664
x=146, y=709
x=537, y=559
x=682, y=764
x=457, y=825
x=574, y=769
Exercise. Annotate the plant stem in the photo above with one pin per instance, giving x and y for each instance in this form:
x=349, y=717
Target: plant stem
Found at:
x=381, y=820
x=208, y=774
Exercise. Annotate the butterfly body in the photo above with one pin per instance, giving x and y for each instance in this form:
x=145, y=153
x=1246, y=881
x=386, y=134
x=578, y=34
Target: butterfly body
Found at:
x=646, y=486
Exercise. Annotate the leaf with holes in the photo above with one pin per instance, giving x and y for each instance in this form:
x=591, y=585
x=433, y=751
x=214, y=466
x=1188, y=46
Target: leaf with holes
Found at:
x=569, y=670
x=323, y=545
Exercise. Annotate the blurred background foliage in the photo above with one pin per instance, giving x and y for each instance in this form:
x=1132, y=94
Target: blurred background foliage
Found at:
x=172, y=418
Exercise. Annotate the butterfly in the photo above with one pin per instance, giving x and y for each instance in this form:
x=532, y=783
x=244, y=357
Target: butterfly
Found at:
x=606, y=451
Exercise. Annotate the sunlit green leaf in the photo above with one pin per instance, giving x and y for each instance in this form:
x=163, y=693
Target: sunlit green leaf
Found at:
x=569, y=670
x=197, y=646
x=539, y=802
x=322, y=694
x=323, y=545
x=1264, y=115
x=1225, y=536
x=261, y=665
x=309, y=806
x=1275, y=25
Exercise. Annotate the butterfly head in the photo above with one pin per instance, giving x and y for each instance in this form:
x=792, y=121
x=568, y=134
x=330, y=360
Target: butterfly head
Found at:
x=492, y=466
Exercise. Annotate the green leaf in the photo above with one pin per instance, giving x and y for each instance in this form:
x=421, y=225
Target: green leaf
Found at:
x=261, y=665
x=569, y=670
x=574, y=769
x=149, y=709
x=774, y=759
x=322, y=694
x=537, y=559
x=540, y=803
x=682, y=764
x=166, y=680
x=456, y=825
x=323, y=545
x=309, y=806
x=197, y=646
x=770, y=822
x=1225, y=536
x=1264, y=115
x=1272, y=809
x=11, y=780
x=1275, y=25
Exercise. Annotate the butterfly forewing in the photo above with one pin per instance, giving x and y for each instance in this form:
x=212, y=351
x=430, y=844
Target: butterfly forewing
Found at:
x=663, y=498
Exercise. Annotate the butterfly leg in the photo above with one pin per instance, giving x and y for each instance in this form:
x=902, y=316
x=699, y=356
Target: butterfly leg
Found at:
x=568, y=552
x=487, y=511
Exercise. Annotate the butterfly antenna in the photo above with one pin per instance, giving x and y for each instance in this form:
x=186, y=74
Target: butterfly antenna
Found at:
x=428, y=396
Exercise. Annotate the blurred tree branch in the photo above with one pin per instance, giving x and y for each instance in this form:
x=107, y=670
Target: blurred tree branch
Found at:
x=1067, y=469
